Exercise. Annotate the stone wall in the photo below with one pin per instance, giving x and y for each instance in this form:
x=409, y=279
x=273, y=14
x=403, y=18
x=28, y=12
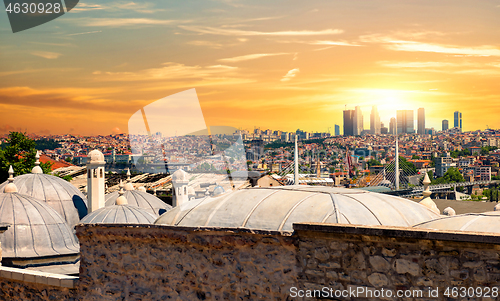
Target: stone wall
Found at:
x=148, y=262
x=161, y=262
x=21, y=285
x=336, y=258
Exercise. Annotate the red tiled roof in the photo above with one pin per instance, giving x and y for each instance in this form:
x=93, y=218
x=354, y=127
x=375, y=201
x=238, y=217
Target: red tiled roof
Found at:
x=55, y=164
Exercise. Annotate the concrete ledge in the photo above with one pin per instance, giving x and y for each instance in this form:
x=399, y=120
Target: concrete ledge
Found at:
x=38, y=277
x=399, y=232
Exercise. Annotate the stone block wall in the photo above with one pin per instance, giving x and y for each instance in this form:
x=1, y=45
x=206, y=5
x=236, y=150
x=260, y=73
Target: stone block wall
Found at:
x=21, y=284
x=145, y=262
x=348, y=258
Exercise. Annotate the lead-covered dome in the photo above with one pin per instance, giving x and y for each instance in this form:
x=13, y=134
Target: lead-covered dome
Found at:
x=36, y=232
x=475, y=222
x=119, y=214
x=140, y=199
x=59, y=194
x=278, y=207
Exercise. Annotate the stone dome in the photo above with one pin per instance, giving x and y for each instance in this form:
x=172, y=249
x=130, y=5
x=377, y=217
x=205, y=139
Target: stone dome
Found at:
x=276, y=208
x=36, y=230
x=475, y=222
x=180, y=175
x=119, y=214
x=59, y=194
x=95, y=156
x=140, y=199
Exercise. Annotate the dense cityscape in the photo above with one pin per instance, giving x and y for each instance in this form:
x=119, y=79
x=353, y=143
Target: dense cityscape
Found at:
x=347, y=160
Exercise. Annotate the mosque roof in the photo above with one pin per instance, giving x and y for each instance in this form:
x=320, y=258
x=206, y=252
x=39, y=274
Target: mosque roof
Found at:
x=276, y=208
x=36, y=230
x=59, y=194
x=119, y=214
x=476, y=222
x=140, y=199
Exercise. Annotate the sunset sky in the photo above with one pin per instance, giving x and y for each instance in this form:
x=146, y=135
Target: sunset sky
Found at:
x=272, y=64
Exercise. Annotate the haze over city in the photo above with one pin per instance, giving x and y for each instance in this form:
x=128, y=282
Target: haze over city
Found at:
x=281, y=65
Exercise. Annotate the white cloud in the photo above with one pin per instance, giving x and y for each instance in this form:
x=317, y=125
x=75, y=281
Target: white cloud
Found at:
x=80, y=33
x=250, y=57
x=393, y=42
x=484, y=50
x=416, y=64
x=119, y=22
x=333, y=43
x=116, y=6
x=237, y=32
x=291, y=74
x=169, y=71
x=46, y=54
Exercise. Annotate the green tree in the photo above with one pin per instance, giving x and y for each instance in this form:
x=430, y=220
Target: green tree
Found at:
x=453, y=175
x=415, y=157
x=20, y=153
x=373, y=162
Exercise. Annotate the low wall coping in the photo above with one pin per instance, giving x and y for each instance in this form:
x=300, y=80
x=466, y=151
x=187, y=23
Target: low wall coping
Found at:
x=399, y=232
x=38, y=277
x=83, y=227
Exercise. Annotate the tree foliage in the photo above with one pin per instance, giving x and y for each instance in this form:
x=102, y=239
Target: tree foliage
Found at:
x=461, y=153
x=453, y=175
x=373, y=162
x=20, y=153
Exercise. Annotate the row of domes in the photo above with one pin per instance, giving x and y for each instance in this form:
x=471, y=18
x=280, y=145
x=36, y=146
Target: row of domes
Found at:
x=42, y=211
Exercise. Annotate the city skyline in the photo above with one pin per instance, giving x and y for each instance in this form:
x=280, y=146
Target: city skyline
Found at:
x=88, y=71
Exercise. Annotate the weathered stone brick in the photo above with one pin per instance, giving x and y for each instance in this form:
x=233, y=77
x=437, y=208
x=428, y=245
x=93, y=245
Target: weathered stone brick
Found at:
x=404, y=266
x=379, y=263
x=378, y=279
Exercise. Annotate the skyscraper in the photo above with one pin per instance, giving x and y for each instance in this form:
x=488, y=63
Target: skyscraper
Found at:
x=457, y=120
x=421, y=121
x=358, y=121
x=392, y=126
x=337, y=130
x=405, y=121
x=374, y=121
x=445, y=125
x=348, y=122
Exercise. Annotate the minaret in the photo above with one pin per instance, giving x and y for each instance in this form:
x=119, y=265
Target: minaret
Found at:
x=180, y=183
x=95, y=180
x=37, y=168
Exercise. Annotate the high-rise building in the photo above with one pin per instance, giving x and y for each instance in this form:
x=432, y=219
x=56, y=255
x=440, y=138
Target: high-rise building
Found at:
x=421, y=121
x=444, y=125
x=358, y=121
x=374, y=121
x=457, y=120
x=337, y=130
x=348, y=122
x=405, y=122
x=392, y=126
